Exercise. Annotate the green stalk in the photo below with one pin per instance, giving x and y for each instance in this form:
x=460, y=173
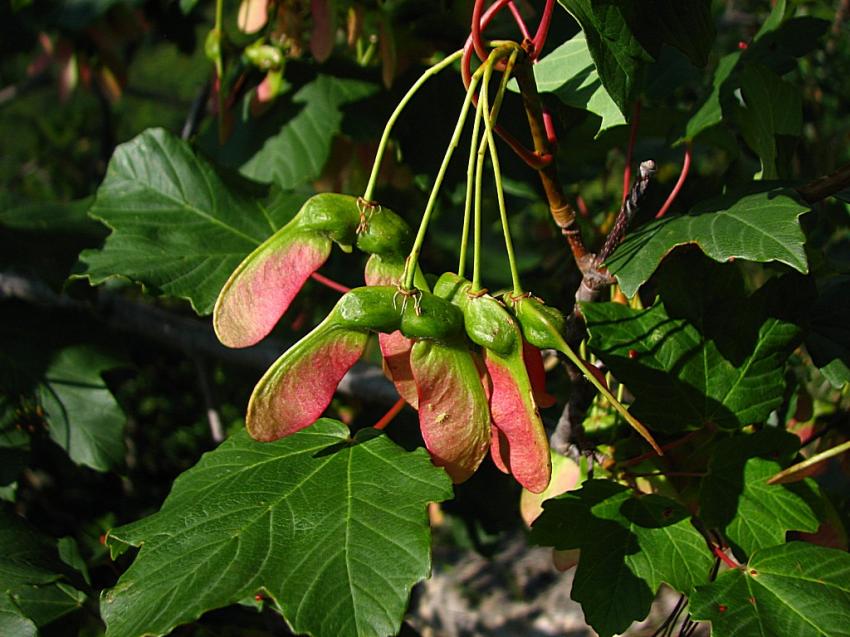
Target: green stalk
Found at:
x=562, y=346
x=412, y=260
x=797, y=472
x=219, y=68
x=497, y=171
x=385, y=138
x=470, y=182
x=479, y=170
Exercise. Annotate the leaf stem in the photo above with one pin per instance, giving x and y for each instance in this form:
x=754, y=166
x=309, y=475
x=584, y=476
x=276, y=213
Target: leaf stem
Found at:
x=497, y=172
x=385, y=137
x=219, y=69
x=792, y=473
x=564, y=348
x=719, y=554
x=330, y=283
x=388, y=417
x=686, y=166
x=470, y=189
x=627, y=171
x=413, y=258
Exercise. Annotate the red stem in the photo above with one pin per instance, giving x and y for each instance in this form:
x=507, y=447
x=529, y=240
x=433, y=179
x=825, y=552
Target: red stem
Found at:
x=549, y=125
x=718, y=552
x=518, y=19
x=686, y=166
x=333, y=285
x=478, y=23
x=531, y=158
x=543, y=29
x=387, y=418
x=627, y=171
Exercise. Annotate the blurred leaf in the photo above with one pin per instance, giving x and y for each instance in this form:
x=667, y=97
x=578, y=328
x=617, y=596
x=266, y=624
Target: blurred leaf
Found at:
x=31, y=576
x=13, y=621
x=290, y=144
x=569, y=73
x=736, y=498
x=82, y=415
x=179, y=228
x=792, y=589
x=629, y=546
x=773, y=107
x=703, y=354
x=333, y=531
x=828, y=338
x=761, y=226
x=710, y=112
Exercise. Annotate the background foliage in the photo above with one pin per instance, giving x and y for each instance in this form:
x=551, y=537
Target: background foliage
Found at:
x=134, y=181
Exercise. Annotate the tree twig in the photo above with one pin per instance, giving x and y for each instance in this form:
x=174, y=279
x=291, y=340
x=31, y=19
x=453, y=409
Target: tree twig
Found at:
x=189, y=335
x=823, y=187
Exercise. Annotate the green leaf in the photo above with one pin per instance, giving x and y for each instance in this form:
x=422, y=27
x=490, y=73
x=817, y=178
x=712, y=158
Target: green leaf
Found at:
x=332, y=531
x=710, y=112
x=736, y=498
x=629, y=547
x=774, y=19
x=702, y=354
x=688, y=26
x=792, y=589
x=32, y=581
x=619, y=57
x=13, y=621
x=757, y=226
x=828, y=338
x=569, y=73
x=178, y=227
x=772, y=108
x=290, y=145
x=81, y=413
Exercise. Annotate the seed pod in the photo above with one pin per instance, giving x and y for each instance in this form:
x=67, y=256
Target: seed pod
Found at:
x=368, y=308
x=383, y=232
x=537, y=375
x=300, y=385
x=454, y=416
x=543, y=327
x=430, y=317
x=396, y=348
x=514, y=413
x=261, y=289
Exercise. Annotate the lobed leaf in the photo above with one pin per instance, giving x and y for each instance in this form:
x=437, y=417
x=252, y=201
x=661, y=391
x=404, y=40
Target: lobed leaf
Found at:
x=736, y=497
x=790, y=589
x=332, y=531
x=568, y=73
x=701, y=355
x=177, y=227
x=629, y=545
x=82, y=415
x=761, y=226
x=34, y=584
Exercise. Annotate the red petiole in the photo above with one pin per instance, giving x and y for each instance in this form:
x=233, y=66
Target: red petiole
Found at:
x=330, y=283
x=686, y=166
x=718, y=552
x=392, y=412
x=627, y=171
